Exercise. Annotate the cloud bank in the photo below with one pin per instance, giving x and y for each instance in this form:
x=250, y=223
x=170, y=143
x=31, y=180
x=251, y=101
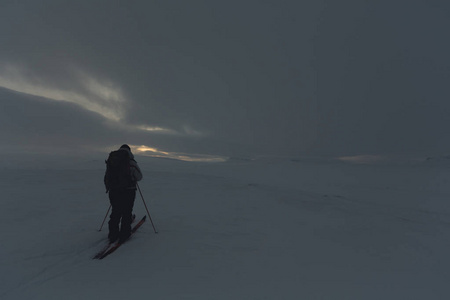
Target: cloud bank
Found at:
x=231, y=78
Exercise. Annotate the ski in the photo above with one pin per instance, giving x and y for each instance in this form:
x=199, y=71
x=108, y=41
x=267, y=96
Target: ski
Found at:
x=117, y=245
x=109, y=244
x=100, y=253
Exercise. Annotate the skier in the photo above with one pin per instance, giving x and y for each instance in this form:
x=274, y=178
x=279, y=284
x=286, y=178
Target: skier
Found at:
x=120, y=179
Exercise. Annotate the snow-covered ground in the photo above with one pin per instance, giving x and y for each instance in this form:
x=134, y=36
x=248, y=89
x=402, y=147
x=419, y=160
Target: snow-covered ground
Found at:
x=243, y=229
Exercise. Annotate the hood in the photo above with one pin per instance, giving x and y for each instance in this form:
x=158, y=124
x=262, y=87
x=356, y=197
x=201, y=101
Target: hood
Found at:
x=128, y=151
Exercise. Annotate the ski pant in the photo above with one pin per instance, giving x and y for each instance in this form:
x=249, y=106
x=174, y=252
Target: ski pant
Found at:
x=122, y=202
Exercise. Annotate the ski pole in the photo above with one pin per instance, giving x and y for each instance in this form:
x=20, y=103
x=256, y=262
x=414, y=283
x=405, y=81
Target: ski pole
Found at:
x=105, y=218
x=139, y=189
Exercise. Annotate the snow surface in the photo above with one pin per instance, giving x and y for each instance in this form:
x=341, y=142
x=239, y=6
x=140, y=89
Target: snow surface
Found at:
x=243, y=229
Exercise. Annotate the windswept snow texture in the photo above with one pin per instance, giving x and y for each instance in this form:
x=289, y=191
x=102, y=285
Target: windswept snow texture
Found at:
x=244, y=229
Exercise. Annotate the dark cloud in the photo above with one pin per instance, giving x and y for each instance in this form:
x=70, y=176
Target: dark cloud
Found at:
x=381, y=77
x=37, y=125
x=278, y=77
x=31, y=122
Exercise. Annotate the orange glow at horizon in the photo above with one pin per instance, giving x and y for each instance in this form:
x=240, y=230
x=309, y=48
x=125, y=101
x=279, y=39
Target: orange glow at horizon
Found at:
x=154, y=152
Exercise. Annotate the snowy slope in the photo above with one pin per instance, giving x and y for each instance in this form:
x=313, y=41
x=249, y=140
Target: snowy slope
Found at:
x=262, y=229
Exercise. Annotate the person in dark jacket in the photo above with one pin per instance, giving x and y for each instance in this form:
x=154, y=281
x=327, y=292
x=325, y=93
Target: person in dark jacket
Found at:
x=122, y=202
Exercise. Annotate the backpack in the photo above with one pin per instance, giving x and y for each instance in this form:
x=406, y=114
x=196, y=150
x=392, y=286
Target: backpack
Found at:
x=118, y=171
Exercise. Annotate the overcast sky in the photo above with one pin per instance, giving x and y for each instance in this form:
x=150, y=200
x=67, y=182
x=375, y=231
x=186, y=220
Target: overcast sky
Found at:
x=316, y=77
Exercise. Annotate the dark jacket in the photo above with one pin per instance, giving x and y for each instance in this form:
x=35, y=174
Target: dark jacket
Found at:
x=136, y=174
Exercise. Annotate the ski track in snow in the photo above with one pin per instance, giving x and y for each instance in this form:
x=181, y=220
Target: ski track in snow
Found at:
x=236, y=230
